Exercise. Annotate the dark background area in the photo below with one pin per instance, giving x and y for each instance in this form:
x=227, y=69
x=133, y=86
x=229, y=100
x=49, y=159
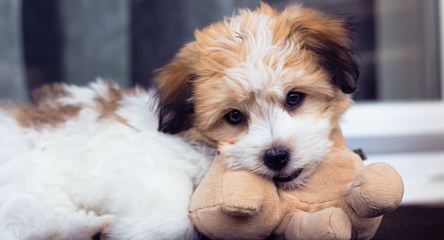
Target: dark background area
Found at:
x=413, y=223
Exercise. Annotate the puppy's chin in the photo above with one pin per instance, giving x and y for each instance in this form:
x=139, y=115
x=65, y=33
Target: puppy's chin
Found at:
x=287, y=176
x=296, y=179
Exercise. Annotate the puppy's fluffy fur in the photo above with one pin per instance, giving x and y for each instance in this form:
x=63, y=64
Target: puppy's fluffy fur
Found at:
x=250, y=63
x=85, y=160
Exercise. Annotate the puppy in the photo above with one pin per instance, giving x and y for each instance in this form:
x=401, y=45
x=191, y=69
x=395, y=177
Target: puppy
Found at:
x=264, y=88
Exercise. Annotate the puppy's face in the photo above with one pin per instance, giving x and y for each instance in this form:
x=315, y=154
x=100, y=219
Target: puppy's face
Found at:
x=266, y=87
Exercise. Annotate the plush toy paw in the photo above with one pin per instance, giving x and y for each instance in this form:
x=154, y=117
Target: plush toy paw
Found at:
x=378, y=189
x=241, y=206
x=329, y=223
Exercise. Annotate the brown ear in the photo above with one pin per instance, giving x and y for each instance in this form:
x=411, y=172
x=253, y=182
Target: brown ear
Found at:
x=331, y=40
x=174, y=88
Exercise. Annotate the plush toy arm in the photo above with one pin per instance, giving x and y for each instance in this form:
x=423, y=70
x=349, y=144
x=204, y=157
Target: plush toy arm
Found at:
x=378, y=189
x=243, y=193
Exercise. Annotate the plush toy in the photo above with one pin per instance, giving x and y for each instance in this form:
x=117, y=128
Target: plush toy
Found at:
x=342, y=199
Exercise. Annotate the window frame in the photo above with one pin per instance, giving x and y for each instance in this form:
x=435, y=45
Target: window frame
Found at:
x=368, y=123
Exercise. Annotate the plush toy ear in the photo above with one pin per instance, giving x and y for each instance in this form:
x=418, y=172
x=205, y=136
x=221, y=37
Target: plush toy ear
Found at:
x=174, y=91
x=331, y=40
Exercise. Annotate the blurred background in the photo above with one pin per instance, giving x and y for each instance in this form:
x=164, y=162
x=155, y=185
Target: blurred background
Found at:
x=398, y=118
x=75, y=41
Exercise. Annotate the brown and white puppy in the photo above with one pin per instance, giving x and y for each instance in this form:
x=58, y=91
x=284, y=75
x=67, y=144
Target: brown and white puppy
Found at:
x=266, y=87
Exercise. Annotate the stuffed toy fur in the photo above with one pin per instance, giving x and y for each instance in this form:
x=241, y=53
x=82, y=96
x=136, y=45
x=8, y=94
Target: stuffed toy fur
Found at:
x=342, y=199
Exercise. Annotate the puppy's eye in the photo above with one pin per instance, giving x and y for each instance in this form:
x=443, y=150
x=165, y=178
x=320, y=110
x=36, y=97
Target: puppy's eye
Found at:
x=294, y=99
x=234, y=117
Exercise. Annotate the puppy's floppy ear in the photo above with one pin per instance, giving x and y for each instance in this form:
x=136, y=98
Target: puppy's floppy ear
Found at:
x=337, y=57
x=331, y=39
x=174, y=88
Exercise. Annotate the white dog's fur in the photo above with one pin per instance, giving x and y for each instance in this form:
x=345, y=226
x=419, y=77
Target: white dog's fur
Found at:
x=75, y=180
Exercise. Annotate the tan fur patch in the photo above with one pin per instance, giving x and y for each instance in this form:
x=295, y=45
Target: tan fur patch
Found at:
x=46, y=111
x=109, y=104
x=133, y=91
x=31, y=116
x=49, y=92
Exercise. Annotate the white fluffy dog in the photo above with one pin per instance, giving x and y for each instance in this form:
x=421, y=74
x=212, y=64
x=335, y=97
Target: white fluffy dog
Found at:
x=86, y=160
x=265, y=88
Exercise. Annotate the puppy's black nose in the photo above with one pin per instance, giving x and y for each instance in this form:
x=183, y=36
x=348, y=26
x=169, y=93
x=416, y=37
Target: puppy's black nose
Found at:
x=276, y=158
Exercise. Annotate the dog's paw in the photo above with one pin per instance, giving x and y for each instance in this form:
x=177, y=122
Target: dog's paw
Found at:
x=99, y=224
x=86, y=227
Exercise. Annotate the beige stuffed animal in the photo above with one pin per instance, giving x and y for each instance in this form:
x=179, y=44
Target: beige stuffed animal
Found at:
x=340, y=200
